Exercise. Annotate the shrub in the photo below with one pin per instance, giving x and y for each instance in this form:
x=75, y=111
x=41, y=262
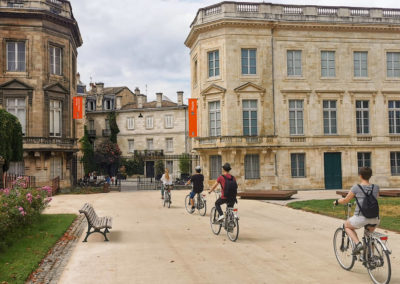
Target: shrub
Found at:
x=20, y=206
x=184, y=164
x=134, y=166
x=107, y=158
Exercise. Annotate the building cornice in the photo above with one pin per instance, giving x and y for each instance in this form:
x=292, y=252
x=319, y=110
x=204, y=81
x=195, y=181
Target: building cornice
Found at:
x=288, y=25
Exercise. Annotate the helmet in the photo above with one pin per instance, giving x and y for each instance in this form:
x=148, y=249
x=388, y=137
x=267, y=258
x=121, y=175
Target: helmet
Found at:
x=198, y=168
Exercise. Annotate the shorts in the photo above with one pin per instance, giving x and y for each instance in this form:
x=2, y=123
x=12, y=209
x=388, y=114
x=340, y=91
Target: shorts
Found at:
x=192, y=194
x=359, y=221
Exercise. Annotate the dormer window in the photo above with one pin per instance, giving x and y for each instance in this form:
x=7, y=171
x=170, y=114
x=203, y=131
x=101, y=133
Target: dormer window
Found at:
x=108, y=104
x=91, y=105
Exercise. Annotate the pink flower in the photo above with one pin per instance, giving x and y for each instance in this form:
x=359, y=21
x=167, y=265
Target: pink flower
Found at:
x=49, y=199
x=29, y=197
x=20, y=209
x=6, y=191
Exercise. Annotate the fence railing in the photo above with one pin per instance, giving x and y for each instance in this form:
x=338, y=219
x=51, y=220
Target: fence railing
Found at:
x=10, y=179
x=51, y=140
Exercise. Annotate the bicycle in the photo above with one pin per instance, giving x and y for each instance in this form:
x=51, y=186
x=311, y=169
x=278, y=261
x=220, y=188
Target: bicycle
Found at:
x=375, y=255
x=167, y=195
x=230, y=223
x=200, y=203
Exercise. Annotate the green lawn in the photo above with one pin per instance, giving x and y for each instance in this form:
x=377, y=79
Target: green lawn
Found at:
x=389, y=210
x=30, y=245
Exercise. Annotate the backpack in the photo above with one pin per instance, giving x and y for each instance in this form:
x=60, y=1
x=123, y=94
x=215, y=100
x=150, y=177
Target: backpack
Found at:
x=370, y=207
x=230, y=189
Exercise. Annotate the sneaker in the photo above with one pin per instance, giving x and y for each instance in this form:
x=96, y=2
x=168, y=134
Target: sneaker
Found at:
x=358, y=248
x=192, y=210
x=220, y=218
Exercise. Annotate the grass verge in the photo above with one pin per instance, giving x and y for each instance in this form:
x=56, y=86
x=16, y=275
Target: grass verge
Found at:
x=389, y=210
x=29, y=245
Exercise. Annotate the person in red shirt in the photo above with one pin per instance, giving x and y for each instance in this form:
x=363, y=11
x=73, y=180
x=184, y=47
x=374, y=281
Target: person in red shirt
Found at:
x=223, y=199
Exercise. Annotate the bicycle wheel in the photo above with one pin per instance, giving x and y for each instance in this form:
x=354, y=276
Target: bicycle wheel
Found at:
x=378, y=264
x=215, y=226
x=169, y=200
x=233, y=229
x=188, y=205
x=202, y=206
x=343, y=248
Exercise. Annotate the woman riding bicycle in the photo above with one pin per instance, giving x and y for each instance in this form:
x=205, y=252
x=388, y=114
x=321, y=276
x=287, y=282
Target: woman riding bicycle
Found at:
x=361, y=192
x=166, y=180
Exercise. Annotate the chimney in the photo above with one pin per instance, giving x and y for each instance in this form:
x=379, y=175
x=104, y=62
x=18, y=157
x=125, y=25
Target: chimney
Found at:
x=78, y=77
x=159, y=99
x=137, y=91
x=92, y=87
x=180, y=98
x=100, y=87
x=140, y=101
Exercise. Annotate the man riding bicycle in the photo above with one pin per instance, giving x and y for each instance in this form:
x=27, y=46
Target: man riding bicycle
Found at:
x=228, y=190
x=363, y=191
x=198, y=185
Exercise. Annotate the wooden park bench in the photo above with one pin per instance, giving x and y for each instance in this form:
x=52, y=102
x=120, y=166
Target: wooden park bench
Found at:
x=97, y=223
x=267, y=194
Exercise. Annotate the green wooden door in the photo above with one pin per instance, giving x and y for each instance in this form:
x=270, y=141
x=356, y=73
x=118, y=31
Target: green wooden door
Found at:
x=333, y=170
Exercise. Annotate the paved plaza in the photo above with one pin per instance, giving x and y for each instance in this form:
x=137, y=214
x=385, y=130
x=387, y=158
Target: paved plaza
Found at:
x=152, y=244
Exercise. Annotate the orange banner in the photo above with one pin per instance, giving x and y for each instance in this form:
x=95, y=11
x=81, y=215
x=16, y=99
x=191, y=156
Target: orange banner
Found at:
x=192, y=118
x=77, y=107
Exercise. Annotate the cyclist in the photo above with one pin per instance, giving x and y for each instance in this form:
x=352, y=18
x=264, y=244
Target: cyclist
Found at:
x=360, y=192
x=197, y=180
x=229, y=190
x=166, y=180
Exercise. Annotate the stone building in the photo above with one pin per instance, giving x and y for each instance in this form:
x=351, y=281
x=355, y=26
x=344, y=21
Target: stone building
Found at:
x=100, y=101
x=39, y=41
x=314, y=89
x=156, y=129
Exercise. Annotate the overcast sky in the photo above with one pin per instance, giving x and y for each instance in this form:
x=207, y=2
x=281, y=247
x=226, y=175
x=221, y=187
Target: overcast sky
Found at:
x=136, y=43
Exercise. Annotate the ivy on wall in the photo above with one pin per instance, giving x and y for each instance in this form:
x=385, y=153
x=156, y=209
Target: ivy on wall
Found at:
x=88, y=154
x=113, y=127
x=11, y=148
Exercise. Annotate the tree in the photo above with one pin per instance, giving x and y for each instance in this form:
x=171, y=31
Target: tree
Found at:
x=113, y=127
x=10, y=139
x=184, y=164
x=88, y=154
x=107, y=158
x=159, y=168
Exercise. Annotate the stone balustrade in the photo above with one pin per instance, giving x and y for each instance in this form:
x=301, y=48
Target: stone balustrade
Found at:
x=281, y=12
x=57, y=7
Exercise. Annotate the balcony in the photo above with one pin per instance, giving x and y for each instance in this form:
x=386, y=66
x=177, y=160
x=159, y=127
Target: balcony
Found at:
x=92, y=133
x=58, y=7
x=301, y=13
x=106, y=132
x=50, y=144
x=149, y=153
x=235, y=141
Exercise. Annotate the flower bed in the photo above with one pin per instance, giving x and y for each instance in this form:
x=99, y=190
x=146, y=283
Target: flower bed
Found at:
x=20, y=206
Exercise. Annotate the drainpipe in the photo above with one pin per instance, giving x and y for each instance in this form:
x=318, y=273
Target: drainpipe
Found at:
x=186, y=130
x=273, y=78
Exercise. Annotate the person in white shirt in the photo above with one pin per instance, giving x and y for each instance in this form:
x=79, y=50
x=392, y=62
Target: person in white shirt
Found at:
x=166, y=179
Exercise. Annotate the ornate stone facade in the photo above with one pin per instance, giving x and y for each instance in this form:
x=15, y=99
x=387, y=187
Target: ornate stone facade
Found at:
x=39, y=41
x=304, y=95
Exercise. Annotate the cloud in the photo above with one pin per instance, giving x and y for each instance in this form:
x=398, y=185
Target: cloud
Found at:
x=141, y=42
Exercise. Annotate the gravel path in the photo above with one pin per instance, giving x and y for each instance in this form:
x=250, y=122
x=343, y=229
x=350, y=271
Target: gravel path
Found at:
x=152, y=244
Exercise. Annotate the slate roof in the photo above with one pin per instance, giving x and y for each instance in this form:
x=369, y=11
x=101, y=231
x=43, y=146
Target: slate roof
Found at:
x=152, y=104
